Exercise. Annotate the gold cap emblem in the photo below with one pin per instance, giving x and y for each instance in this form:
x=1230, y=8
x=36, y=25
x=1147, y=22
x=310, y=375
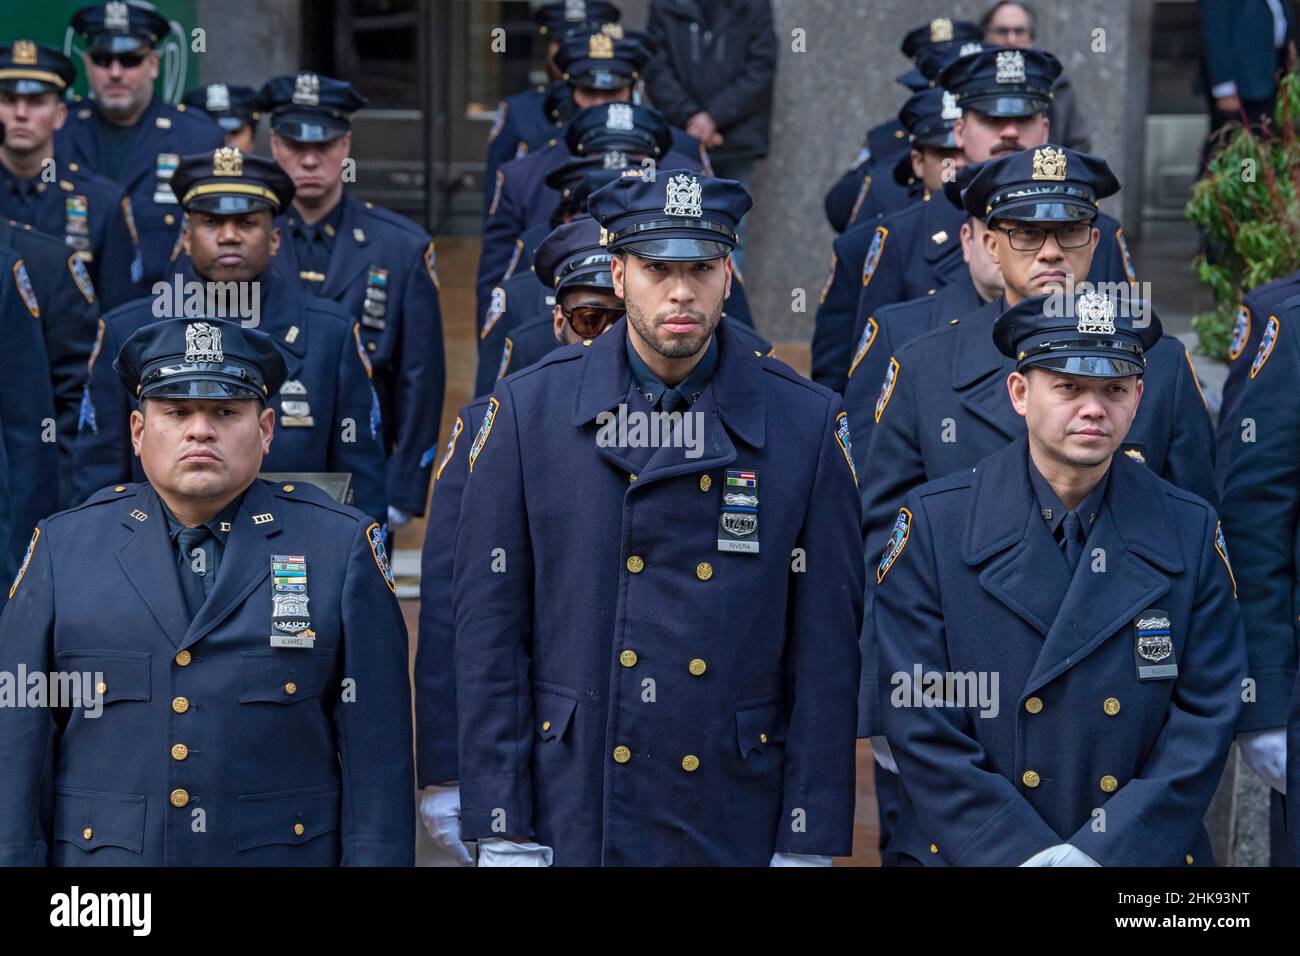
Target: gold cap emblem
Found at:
x=600, y=47
x=940, y=30
x=227, y=161
x=25, y=53
x=1049, y=164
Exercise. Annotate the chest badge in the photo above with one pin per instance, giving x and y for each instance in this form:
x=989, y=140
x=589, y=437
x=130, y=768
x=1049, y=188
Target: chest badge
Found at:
x=294, y=408
x=375, y=308
x=162, y=185
x=290, y=618
x=1153, y=649
x=738, y=522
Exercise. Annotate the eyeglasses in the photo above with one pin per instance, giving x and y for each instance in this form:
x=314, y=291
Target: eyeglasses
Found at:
x=129, y=61
x=1071, y=235
x=591, y=320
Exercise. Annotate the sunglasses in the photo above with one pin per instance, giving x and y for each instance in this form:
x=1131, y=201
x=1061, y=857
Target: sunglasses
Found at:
x=129, y=61
x=589, y=321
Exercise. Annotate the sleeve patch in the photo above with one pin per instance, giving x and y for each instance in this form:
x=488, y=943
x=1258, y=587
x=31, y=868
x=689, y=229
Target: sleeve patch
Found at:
x=431, y=266
x=496, y=196
x=830, y=279
x=514, y=259
x=27, y=559
x=496, y=309
x=897, y=542
x=506, y=352
x=480, y=440
x=846, y=443
x=1240, y=334
x=499, y=123
x=1266, y=344
x=1127, y=259
x=375, y=535
x=356, y=336
x=887, y=388
x=1195, y=380
x=862, y=195
x=874, y=253
x=129, y=218
x=24, y=283
x=81, y=276
x=1220, y=545
x=864, y=344
x=451, y=447
x=99, y=344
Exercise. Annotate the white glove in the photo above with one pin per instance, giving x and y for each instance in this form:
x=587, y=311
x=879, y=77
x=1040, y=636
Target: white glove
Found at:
x=884, y=756
x=799, y=859
x=1264, y=752
x=1063, y=854
x=497, y=852
x=440, y=811
x=397, y=517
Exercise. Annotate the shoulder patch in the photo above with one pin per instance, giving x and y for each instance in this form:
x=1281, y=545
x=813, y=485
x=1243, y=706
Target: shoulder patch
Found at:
x=375, y=535
x=507, y=351
x=499, y=123
x=1240, y=333
x=365, y=359
x=451, y=447
x=1124, y=256
x=129, y=218
x=1266, y=344
x=81, y=277
x=431, y=264
x=887, y=388
x=27, y=559
x=864, y=344
x=846, y=444
x=862, y=196
x=830, y=279
x=902, y=530
x=480, y=440
x=24, y=283
x=496, y=309
x=514, y=260
x=874, y=253
x=1220, y=545
x=496, y=196
x=1195, y=380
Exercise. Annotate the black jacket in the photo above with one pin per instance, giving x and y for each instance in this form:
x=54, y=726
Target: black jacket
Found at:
x=724, y=63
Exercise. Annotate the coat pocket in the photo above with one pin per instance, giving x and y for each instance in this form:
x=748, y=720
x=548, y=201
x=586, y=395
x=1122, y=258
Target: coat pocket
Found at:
x=287, y=816
x=759, y=724
x=113, y=675
x=283, y=676
x=89, y=819
x=552, y=714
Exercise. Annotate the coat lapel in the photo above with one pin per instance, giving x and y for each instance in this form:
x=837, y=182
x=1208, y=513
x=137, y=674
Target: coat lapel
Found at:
x=348, y=258
x=149, y=142
x=979, y=371
x=149, y=563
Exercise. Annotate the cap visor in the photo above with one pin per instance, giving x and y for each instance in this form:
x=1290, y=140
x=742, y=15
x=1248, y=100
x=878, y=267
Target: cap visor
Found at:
x=312, y=130
x=939, y=138
x=185, y=386
x=231, y=124
x=1001, y=105
x=588, y=279
x=231, y=205
x=914, y=80
x=677, y=249
x=1035, y=209
x=27, y=87
x=1096, y=364
x=118, y=43
x=600, y=80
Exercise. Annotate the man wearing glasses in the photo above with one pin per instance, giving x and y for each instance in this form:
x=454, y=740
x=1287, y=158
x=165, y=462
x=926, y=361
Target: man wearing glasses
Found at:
x=943, y=404
x=126, y=133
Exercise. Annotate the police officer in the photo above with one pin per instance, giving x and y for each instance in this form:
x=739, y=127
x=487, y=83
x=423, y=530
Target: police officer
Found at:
x=126, y=133
x=90, y=213
x=233, y=108
x=523, y=120
x=215, y=653
x=729, y=705
x=1099, y=595
x=379, y=266
x=327, y=417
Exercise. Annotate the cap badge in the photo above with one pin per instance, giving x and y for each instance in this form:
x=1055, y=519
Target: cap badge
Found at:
x=203, y=343
x=1011, y=67
x=227, y=161
x=25, y=53
x=218, y=98
x=575, y=10
x=1096, y=314
x=615, y=159
x=600, y=46
x=974, y=46
x=684, y=197
x=604, y=236
x=116, y=16
x=613, y=30
x=951, y=111
x=1049, y=164
x=940, y=30
x=619, y=117
x=306, y=90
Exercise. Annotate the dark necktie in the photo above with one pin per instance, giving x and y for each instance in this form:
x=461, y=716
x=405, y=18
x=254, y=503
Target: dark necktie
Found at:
x=193, y=568
x=313, y=254
x=671, y=400
x=1072, y=539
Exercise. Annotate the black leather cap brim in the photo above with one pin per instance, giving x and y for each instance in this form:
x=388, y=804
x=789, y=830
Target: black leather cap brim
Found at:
x=587, y=278
x=118, y=43
x=199, y=386
x=677, y=249
x=231, y=205
x=314, y=130
x=1038, y=209
x=26, y=87
x=1004, y=106
x=1094, y=364
x=600, y=80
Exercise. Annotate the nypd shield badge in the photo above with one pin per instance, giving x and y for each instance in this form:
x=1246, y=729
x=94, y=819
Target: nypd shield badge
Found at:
x=738, y=522
x=1153, y=648
x=290, y=618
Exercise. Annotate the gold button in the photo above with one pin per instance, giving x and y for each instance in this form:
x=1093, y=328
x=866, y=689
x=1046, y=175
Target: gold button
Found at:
x=179, y=798
x=631, y=479
x=120, y=488
x=762, y=738
x=370, y=346
x=1111, y=706
x=184, y=658
x=1188, y=858
x=704, y=570
x=933, y=848
x=288, y=487
x=180, y=704
x=299, y=829
x=1031, y=778
x=180, y=751
x=628, y=658
x=169, y=219
x=697, y=667
x=546, y=725
x=1109, y=784
x=586, y=342
x=88, y=833
x=101, y=688
x=291, y=688
x=635, y=564
x=1034, y=705
x=622, y=754
x=690, y=763
x=705, y=482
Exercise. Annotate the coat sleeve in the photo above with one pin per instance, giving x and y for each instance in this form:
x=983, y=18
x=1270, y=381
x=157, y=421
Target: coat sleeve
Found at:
x=435, y=658
x=1261, y=501
x=670, y=95
x=501, y=148
x=1153, y=818
x=359, y=450
x=867, y=368
x=68, y=327
x=826, y=615
x=419, y=393
x=1190, y=464
x=493, y=607
x=842, y=198
x=501, y=231
x=1218, y=18
x=974, y=814
x=119, y=268
x=26, y=636
x=750, y=91
x=833, y=326
x=102, y=453
x=374, y=728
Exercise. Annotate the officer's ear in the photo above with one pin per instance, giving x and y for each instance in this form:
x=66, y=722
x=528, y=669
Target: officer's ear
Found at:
x=275, y=237
x=266, y=422
x=617, y=271
x=1018, y=389
x=137, y=427
x=185, y=235
x=730, y=266
x=557, y=322
x=346, y=140
x=967, y=239
x=959, y=133
x=918, y=164
x=60, y=115
x=151, y=62
x=990, y=239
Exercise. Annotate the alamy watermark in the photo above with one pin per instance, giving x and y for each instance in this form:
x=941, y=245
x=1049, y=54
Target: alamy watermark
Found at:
x=922, y=688
x=57, y=689
x=638, y=429
x=232, y=301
